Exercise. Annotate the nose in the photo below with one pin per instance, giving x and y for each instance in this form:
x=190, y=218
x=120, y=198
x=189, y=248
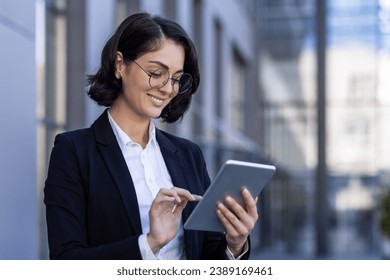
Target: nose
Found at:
x=167, y=88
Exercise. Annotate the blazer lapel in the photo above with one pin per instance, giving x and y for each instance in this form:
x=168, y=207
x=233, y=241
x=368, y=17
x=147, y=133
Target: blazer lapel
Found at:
x=178, y=172
x=173, y=160
x=116, y=164
x=176, y=167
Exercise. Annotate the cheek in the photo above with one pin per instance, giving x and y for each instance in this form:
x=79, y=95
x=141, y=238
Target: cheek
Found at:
x=134, y=81
x=133, y=88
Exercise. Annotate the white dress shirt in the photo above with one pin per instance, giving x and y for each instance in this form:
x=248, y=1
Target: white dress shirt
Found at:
x=149, y=173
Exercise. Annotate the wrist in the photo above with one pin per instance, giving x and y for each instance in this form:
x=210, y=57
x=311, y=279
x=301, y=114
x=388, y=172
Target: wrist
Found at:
x=154, y=245
x=235, y=246
x=236, y=250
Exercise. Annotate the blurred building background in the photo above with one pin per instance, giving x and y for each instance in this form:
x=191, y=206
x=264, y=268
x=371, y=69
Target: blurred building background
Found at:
x=301, y=84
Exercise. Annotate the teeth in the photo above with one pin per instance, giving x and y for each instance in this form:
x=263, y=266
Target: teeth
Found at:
x=156, y=100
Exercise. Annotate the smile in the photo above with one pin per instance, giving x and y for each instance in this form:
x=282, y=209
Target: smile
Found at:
x=155, y=100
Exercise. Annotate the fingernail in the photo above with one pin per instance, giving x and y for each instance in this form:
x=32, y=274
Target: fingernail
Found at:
x=229, y=199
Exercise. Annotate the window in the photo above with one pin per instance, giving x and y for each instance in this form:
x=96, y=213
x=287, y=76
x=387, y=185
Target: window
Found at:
x=170, y=9
x=236, y=93
x=51, y=87
x=61, y=79
x=197, y=36
x=361, y=88
x=218, y=69
x=124, y=8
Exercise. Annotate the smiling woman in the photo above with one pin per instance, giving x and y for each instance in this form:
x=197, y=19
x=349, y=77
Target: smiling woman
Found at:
x=111, y=189
x=145, y=96
x=138, y=35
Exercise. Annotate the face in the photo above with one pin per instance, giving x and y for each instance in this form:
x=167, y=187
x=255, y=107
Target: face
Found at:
x=140, y=100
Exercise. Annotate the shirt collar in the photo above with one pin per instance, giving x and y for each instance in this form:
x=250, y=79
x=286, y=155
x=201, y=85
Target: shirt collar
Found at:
x=123, y=139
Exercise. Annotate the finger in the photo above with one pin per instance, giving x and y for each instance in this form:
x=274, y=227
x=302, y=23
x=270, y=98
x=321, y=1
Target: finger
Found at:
x=180, y=206
x=226, y=223
x=241, y=227
x=167, y=195
x=240, y=219
x=178, y=209
x=235, y=207
x=185, y=194
x=250, y=203
x=164, y=198
x=197, y=197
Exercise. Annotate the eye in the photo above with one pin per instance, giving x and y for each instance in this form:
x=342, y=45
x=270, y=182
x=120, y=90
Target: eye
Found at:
x=156, y=73
x=176, y=79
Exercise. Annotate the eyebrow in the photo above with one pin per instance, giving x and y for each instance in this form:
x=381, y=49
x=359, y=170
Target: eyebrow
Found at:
x=164, y=65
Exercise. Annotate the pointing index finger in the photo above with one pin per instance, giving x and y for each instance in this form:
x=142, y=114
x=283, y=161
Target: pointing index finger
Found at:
x=186, y=194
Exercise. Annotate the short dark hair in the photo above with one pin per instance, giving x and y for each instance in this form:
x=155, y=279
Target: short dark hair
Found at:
x=136, y=35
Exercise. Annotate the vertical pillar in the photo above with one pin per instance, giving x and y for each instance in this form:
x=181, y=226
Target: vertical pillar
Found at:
x=75, y=48
x=321, y=204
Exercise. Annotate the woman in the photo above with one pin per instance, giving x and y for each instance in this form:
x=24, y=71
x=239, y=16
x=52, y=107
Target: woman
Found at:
x=122, y=188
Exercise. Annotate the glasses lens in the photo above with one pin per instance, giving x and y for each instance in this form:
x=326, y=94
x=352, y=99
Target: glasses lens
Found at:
x=185, y=83
x=158, y=78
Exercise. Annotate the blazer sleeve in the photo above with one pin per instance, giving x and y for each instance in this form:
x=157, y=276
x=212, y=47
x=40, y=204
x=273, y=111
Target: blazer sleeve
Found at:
x=66, y=210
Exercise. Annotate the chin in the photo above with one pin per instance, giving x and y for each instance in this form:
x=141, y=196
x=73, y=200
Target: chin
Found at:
x=154, y=114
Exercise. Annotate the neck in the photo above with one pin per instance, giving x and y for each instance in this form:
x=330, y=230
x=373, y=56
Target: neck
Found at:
x=136, y=128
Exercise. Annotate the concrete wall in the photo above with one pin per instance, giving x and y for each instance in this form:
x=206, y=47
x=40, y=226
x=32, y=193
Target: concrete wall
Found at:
x=18, y=123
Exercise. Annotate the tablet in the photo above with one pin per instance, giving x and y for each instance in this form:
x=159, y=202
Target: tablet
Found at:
x=229, y=180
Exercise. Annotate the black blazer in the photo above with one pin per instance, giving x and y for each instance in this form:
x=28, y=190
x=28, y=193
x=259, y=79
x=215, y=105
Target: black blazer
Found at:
x=91, y=204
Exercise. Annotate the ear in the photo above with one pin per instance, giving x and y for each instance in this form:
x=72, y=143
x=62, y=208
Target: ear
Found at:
x=118, y=65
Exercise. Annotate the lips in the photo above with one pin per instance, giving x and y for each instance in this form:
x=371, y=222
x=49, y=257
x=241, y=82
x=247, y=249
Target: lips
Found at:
x=155, y=100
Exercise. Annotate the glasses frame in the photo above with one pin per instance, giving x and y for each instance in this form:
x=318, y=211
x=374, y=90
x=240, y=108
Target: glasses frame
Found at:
x=173, y=80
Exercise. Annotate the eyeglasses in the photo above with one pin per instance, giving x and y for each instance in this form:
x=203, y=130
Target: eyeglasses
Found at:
x=160, y=77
